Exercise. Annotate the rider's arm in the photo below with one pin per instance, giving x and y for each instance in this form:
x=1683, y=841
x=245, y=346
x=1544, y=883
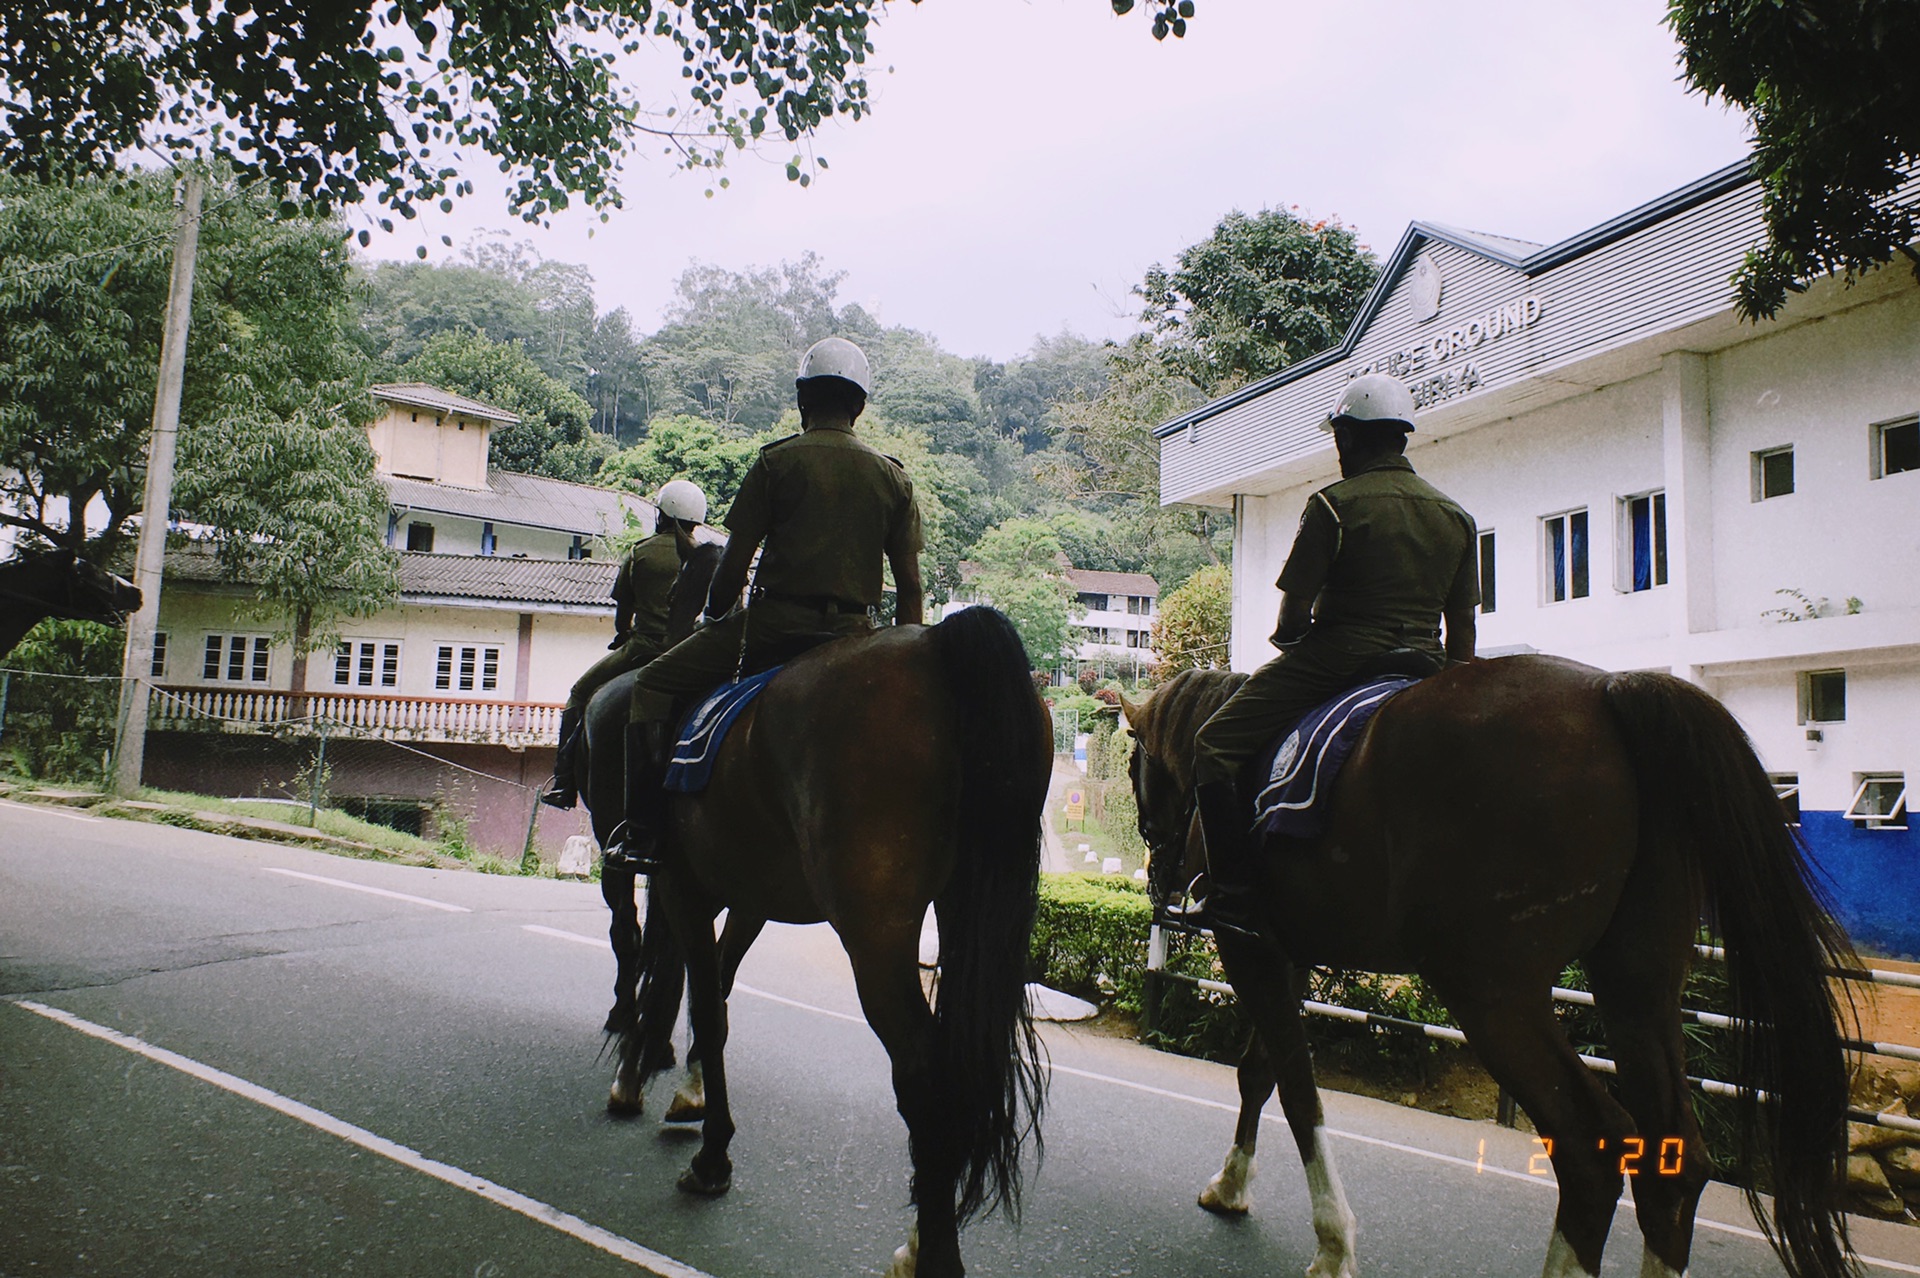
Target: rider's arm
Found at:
x=1463, y=599
x=1309, y=564
x=748, y=522
x=730, y=578
x=904, y=540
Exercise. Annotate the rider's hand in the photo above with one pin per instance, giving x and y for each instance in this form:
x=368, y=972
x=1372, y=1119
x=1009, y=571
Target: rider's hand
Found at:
x=620, y=638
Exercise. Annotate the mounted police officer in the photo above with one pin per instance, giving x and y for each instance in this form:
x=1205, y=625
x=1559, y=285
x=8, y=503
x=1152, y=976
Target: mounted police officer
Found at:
x=639, y=620
x=828, y=510
x=1380, y=559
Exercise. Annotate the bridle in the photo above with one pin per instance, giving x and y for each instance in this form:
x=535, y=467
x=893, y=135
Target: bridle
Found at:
x=1161, y=842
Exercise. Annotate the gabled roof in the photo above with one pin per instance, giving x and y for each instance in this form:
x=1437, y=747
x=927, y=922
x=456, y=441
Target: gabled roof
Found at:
x=423, y=395
x=1519, y=255
x=529, y=501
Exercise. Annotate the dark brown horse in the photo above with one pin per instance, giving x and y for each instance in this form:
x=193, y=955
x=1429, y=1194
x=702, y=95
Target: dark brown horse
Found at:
x=39, y=584
x=874, y=777
x=1496, y=823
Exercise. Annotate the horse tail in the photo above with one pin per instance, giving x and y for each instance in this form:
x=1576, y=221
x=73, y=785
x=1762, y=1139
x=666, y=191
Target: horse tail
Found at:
x=1698, y=774
x=987, y=1063
x=663, y=977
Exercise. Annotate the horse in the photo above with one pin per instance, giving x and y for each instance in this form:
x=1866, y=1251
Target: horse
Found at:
x=1495, y=823
x=875, y=776
x=600, y=766
x=42, y=583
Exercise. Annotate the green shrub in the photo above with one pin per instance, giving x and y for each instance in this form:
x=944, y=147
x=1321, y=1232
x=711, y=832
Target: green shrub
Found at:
x=1090, y=937
x=63, y=704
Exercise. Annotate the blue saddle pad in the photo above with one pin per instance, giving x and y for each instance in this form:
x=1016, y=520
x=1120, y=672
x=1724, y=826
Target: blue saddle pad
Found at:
x=1293, y=801
x=706, y=728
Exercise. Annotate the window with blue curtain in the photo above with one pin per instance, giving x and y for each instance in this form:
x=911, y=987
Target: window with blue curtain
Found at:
x=1566, y=556
x=1647, y=540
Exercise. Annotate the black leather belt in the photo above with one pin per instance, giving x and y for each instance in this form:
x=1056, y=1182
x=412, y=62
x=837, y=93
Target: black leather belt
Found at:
x=813, y=603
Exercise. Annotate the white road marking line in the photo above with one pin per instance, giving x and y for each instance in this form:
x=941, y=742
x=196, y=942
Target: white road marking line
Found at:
x=533, y=1209
x=598, y=942
x=50, y=811
x=429, y=902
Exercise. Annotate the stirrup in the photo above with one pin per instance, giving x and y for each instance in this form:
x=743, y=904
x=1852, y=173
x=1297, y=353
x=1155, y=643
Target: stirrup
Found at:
x=1207, y=912
x=617, y=856
x=560, y=796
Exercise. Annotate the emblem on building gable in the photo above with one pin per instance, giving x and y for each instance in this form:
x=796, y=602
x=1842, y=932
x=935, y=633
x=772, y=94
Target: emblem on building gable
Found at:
x=1424, y=288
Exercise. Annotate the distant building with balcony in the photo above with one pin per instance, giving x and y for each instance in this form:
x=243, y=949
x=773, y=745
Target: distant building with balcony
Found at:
x=1113, y=615
x=505, y=598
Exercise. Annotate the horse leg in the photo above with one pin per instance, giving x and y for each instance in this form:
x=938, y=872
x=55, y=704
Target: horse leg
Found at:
x=689, y=1103
x=1269, y=988
x=711, y=1172
x=1229, y=1193
x=886, y=971
x=1637, y=987
x=1515, y=1035
x=616, y=889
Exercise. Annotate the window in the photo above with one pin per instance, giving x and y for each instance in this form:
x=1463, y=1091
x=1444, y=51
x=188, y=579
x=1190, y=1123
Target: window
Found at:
x=159, y=670
x=1093, y=603
x=1772, y=473
x=236, y=658
x=1786, y=788
x=1138, y=639
x=1565, y=556
x=1823, y=696
x=486, y=539
x=367, y=663
x=465, y=667
x=1486, y=572
x=1896, y=448
x=1880, y=801
x=1139, y=605
x=420, y=537
x=1643, y=542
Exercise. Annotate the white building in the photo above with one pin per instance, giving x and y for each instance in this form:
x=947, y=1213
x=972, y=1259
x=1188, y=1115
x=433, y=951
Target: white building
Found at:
x=505, y=598
x=1113, y=615
x=1658, y=485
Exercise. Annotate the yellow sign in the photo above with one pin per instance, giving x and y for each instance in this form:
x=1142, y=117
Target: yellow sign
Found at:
x=1076, y=805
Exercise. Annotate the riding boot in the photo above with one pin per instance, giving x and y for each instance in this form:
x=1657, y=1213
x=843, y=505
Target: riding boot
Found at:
x=636, y=844
x=1230, y=905
x=564, y=791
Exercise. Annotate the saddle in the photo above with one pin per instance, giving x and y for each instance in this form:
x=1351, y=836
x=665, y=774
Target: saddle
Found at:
x=705, y=729
x=1296, y=774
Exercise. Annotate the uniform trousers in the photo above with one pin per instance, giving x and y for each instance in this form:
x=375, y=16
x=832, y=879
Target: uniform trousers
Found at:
x=742, y=642
x=1273, y=698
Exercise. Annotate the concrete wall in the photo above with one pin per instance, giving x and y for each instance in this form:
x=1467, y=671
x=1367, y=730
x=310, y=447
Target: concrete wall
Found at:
x=417, y=443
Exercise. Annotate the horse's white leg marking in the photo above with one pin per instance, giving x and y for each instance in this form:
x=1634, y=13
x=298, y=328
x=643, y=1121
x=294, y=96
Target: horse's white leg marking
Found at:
x=1228, y=1191
x=1561, y=1262
x=689, y=1103
x=626, y=1096
x=1333, y=1221
x=1651, y=1266
x=906, y=1258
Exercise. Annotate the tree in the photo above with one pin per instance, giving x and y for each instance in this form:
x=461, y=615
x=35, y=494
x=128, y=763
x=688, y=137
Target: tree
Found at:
x=1195, y=623
x=1835, y=107
x=1020, y=573
x=1260, y=293
x=274, y=387
x=686, y=448
x=551, y=437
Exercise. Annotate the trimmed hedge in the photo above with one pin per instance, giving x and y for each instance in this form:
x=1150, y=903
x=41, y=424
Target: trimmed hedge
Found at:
x=1090, y=937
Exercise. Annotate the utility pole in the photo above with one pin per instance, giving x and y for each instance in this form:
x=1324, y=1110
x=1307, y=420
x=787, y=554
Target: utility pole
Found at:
x=138, y=666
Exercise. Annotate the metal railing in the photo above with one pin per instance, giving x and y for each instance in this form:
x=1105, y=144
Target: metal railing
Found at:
x=1156, y=968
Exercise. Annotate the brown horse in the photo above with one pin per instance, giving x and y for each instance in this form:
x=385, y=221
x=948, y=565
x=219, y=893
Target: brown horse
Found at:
x=873, y=777
x=1495, y=823
x=44, y=583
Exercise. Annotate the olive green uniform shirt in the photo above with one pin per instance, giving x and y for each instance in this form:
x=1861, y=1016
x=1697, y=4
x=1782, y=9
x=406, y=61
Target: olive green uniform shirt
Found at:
x=831, y=510
x=640, y=589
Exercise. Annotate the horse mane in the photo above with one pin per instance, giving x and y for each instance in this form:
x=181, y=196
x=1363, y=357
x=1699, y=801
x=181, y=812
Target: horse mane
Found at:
x=1166, y=723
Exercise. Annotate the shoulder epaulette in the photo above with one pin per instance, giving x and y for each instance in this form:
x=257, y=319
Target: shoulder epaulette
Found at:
x=895, y=460
x=785, y=439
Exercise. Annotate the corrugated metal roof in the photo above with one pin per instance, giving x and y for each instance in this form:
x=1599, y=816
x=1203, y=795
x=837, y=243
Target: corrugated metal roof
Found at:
x=1499, y=245
x=1096, y=582
x=423, y=576
x=423, y=395
x=531, y=501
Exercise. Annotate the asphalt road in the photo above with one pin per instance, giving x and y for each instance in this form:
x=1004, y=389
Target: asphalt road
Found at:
x=221, y=1057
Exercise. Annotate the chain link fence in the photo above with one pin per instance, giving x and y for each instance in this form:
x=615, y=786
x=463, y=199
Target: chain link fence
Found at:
x=460, y=780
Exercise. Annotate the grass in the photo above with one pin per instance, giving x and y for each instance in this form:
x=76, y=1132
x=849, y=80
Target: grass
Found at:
x=337, y=824
x=1088, y=831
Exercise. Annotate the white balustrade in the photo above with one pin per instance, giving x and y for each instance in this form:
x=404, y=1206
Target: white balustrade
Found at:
x=401, y=718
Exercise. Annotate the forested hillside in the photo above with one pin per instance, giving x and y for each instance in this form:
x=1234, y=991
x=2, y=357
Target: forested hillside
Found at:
x=1050, y=448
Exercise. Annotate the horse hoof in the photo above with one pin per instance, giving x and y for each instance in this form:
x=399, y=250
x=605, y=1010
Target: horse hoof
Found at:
x=685, y=1109
x=692, y=1182
x=905, y=1257
x=1219, y=1206
x=624, y=1100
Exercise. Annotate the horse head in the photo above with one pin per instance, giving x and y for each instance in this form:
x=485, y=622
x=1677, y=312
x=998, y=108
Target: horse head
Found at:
x=62, y=583
x=1161, y=770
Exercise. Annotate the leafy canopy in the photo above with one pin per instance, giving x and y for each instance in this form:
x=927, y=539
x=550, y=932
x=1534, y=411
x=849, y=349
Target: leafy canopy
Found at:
x=1834, y=102
x=274, y=399
x=1020, y=574
x=387, y=100
x=551, y=438
x=1195, y=623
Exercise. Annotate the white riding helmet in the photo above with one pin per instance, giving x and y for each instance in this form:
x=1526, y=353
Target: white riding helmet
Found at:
x=836, y=357
x=682, y=499
x=1373, y=397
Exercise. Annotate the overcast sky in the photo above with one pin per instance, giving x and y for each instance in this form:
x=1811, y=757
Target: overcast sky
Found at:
x=1027, y=160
